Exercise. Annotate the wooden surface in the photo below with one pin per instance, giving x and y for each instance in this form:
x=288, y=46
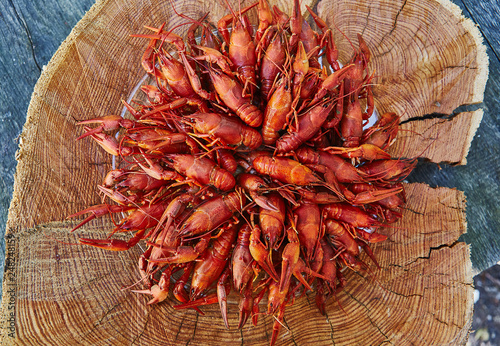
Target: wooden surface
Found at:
x=87, y=308
x=30, y=34
x=61, y=189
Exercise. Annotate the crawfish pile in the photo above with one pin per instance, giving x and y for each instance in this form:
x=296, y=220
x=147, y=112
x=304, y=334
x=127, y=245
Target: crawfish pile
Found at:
x=248, y=166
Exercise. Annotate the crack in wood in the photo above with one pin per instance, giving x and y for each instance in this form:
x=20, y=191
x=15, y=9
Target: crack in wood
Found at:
x=396, y=18
x=414, y=211
x=394, y=24
x=449, y=324
x=180, y=327
x=290, y=331
x=434, y=248
x=331, y=327
x=106, y=314
x=368, y=316
x=97, y=324
x=27, y=32
x=194, y=328
x=143, y=328
x=471, y=107
x=367, y=21
x=451, y=207
x=401, y=294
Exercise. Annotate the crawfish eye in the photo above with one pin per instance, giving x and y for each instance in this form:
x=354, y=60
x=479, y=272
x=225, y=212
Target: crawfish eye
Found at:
x=268, y=238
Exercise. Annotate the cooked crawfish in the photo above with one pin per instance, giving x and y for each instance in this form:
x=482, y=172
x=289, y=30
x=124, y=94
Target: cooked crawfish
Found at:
x=248, y=167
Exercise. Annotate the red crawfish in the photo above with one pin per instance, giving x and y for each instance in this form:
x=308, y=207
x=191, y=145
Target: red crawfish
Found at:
x=292, y=264
x=260, y=253
x=349, y=214
x=289, y=171
x=340, y=237
x=311, y=43
x=231, y=93
x=277, y=111
x=296, y=20
x=333, y=281
x=242, y=269
x=175, y=75
x=208, y=270
x=132, y=180
x=139, y=220
x=229, y=130
x=213, y=262
x=160, y=140
x=383, y=132
x=355, y=78
x=331, y=82
x=98, y=211
x=272, y=63
x=272, y=222
x=241, y=47
x=308, y=217
x=367, y=152
x=386, y=197
x=392, y=202
x=224, y=22
x=110, y=144
x=390, y=170
x=213, y=56
x=160, y=290
x=211, y=214
x=265, y=18
x=226, y=160
x=327, y=41
x=107, y=123
x=351, y=125
x=242, y=54
x=286, y=170
x=256, y=187
x=342, y=170
x=317, y=196
x=330, y=269
x=202, y=170
x=308, y=125
x=242, y=259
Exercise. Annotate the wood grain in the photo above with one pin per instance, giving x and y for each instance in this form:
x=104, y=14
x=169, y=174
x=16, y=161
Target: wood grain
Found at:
x=438, y=139
x=61, y=293
x=418, y=70
x=424, y=281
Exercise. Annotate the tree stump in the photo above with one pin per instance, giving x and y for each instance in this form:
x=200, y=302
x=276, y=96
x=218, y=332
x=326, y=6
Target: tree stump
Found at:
x=428, y=60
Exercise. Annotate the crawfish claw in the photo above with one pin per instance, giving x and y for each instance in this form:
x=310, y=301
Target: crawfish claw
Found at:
x=107, y=244
x=158, y=294
x=264, y=203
